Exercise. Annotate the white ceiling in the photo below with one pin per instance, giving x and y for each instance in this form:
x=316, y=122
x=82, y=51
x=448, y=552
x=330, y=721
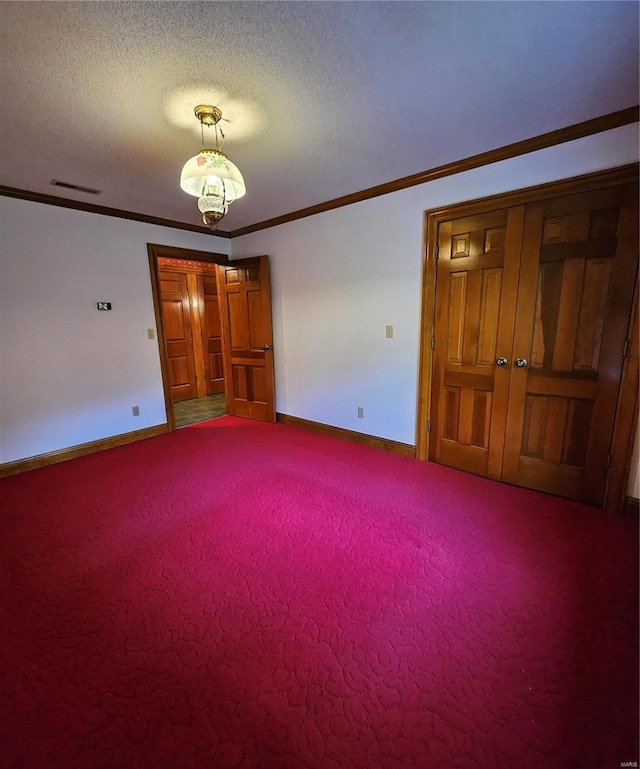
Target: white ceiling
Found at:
x=322, y=98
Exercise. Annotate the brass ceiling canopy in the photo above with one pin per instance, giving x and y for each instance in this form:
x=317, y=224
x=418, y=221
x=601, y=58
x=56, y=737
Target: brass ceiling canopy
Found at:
x=208, y=114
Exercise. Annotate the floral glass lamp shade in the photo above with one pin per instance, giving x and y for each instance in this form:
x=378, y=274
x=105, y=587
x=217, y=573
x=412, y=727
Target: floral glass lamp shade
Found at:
x=211, y=176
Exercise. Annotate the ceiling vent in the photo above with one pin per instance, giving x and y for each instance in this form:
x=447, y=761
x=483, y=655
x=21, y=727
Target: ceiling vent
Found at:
x=76, y=187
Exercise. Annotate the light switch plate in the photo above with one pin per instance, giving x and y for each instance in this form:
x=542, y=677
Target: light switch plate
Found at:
x=389, y=332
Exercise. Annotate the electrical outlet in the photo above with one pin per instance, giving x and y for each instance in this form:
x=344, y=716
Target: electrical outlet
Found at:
x=135, y=410
x=389, y=332
x=360, y=412
x=151, y=334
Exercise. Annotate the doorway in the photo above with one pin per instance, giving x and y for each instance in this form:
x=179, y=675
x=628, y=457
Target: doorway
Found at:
x=189, y=324
x=226, y=307
x=526, y=327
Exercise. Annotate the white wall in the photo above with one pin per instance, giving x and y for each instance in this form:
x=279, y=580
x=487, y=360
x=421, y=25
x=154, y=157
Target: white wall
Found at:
x=68, y=373
x=340, y=277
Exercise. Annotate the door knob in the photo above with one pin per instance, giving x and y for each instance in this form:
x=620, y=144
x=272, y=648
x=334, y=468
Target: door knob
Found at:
x=501, y=361
x=521, y=362
x=266, y=347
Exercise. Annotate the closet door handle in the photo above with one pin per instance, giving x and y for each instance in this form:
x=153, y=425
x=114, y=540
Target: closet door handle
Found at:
x=266, y=347
x=502, y=361
x=521, y=362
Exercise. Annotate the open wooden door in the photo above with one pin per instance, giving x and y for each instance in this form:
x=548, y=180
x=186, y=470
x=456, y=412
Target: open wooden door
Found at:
x=244, y=290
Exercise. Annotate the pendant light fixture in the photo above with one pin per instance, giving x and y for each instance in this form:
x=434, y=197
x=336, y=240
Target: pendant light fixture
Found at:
x=210, y=176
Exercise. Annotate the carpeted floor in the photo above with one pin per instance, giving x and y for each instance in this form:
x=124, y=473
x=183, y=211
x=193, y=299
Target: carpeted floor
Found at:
x=237, y=594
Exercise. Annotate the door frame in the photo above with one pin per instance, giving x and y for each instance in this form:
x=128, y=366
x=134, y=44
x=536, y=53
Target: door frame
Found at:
x=624, y=428
x=156, y=251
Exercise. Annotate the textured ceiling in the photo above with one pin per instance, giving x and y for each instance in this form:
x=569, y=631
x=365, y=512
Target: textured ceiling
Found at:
x=321, y=99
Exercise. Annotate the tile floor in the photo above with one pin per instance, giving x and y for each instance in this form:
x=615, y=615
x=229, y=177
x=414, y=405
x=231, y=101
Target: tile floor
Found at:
x=199, y=409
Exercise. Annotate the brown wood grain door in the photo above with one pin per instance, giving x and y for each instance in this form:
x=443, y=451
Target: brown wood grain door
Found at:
x=477, y=280
x=211, y=334
x=176, y=314
x=244, y=291
x=576, y=289
x=531, y=316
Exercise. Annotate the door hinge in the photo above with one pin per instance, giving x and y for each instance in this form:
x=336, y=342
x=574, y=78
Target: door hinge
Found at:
x=433, y=343
x=437, y=253
x=428, y=425
x=625, y=352
x=609, y=461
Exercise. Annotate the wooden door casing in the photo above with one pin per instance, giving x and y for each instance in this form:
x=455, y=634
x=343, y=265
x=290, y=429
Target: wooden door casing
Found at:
x=477, y=278
x=574, y=301
x=176, y=314
x=244, y=291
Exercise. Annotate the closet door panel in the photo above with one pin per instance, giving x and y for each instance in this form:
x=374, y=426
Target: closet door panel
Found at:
x=212, y=335
x=576, y=284
x=176, y=313
x=477, y=278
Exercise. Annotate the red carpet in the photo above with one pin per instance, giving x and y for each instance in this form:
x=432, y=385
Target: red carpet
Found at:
x=246, y=595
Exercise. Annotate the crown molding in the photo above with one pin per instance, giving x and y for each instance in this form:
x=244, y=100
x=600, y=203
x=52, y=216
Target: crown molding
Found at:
x=550, y=139
x=119, y=213
x=560, y=136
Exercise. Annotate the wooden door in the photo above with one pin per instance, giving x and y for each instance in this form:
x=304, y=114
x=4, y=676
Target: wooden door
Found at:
x=546, y=290
x=211, y=334
x=244, y=291
x=176, y=315
x=576, y=288
x=477, y=279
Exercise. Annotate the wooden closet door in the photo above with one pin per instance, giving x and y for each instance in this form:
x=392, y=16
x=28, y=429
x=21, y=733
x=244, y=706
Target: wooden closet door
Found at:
x=477, y=279
x=176, y=315
x=576, y=287
x=211, y=334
